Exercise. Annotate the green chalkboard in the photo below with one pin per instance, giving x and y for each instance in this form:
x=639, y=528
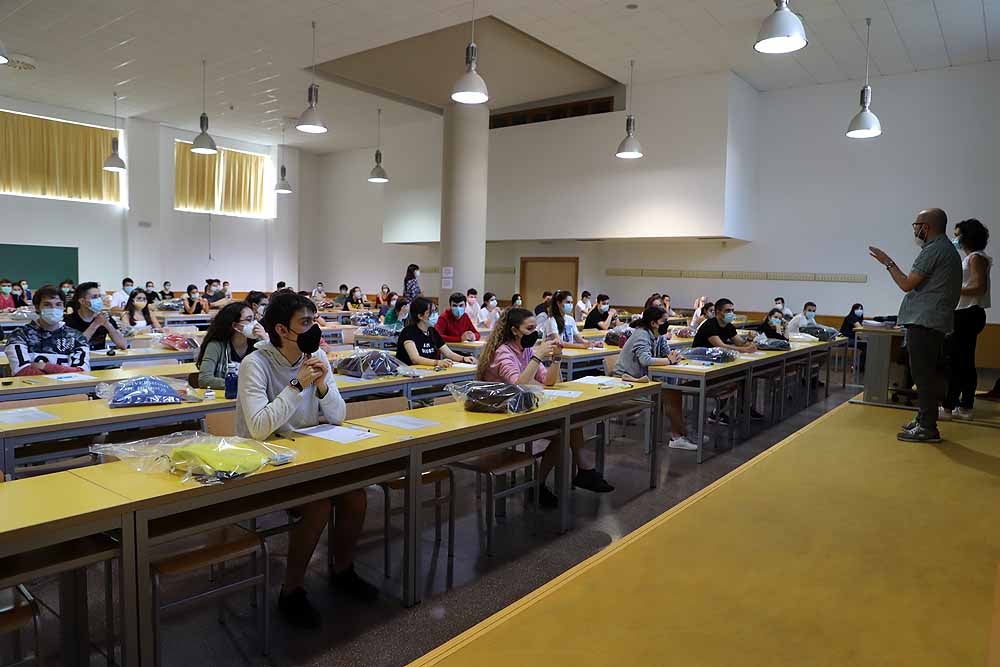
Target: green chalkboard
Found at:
x=39, y=264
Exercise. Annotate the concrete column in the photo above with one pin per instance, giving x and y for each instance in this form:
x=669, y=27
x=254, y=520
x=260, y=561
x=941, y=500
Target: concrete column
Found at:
x=463, y=198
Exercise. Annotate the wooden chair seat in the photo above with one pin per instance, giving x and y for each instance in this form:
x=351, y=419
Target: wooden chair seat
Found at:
x=71, y=555
x=499, y=463
x=429, y=477
x=236, y=544
x=15, y=618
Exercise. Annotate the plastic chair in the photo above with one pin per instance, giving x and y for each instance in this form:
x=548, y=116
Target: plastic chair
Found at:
x=16, y=618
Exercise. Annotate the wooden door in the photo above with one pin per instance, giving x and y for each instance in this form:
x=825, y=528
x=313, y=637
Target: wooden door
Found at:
x=539, y=274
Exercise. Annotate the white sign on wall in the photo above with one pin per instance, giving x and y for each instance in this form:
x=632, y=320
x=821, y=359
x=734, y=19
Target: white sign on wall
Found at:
x=447, y=283
x=447, y=271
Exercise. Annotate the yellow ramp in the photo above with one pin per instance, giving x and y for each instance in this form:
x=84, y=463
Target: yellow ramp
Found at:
x=839, y=546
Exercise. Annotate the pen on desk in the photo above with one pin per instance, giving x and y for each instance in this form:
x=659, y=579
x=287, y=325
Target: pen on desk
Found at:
x=357, y=428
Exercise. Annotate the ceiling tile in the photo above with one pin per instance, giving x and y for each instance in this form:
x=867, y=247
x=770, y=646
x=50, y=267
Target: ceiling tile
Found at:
x=963, y=29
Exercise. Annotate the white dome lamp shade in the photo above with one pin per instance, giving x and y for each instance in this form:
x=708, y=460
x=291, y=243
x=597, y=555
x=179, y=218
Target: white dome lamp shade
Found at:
x=865, y=124
x=782, y=31
x=470, y=87
x=378, y=173
x=114, y=162
x=311, y=121
x=282, y=187
x=203, y=144
x=3, y=55
x=629, y=148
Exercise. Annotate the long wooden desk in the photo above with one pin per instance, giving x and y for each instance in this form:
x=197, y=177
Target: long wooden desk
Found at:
x=44, y=386
x=177, y=317
x=101, y=359
x=80, y=418
x=575, y=361
x=824, y=550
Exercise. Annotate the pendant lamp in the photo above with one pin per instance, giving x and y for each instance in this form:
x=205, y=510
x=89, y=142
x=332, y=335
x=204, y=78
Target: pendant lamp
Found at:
x=3, y=55
x=378, y=174
x=311, y=121
x=782, y=31
x=204, y=144
x=470, y=87
x=865, y=124
x=282, y=187
x=114, y=162
x=629, y=148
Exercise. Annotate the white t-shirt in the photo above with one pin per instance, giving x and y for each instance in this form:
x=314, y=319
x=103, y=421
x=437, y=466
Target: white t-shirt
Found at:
x=488, y=319
x=119, y=299
x=473, y=309
x=551, y=328
x=798, y=321
x=582, y=308
x=982, y=300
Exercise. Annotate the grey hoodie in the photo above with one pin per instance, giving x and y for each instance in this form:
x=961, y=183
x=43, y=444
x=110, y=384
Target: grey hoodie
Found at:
x=267, y=404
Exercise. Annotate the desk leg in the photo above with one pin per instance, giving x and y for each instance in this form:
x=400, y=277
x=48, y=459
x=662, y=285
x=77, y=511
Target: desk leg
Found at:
x=747, y=402
x=411, y=531
x=809, y=376
x=857, y=365
x=4, y=457
x=829, y=362
x=653, y=435
x=564, y=473
x=783, y=398
x=843, y=384
x=144, y=591
x=701, y=419
x=74, y=622
x=127, y=593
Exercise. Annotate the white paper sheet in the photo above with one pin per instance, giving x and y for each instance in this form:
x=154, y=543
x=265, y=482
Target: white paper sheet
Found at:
x=23, y=415
x=404, y=422
x=596, y=379
x=72, y=377
x=462, y=364
x=563, y=393
x=334, y=433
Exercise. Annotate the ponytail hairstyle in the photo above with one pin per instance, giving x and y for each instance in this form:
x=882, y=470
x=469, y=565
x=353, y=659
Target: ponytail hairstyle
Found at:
x=556, y=311
x=503, y=332
x=650, y=316
x=655, y=296
x=419, y=306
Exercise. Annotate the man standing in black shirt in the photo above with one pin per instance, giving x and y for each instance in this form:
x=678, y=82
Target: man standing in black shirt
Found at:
x=720, y=332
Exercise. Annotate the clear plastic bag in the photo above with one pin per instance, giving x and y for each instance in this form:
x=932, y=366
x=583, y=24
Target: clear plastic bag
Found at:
x=715, y=355
x=618, y=336
x=764, y=343
x=497, y=397
x=363, y=319
x=208, y=459
x=802, y=338
x=178, y=342
x=170, y=304
x=369, y=364
x=820, y=331
x=685, y=332
x=386, y=330
x=146, y=390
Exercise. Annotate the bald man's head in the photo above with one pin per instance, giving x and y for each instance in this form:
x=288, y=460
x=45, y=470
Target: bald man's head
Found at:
x=935, y=219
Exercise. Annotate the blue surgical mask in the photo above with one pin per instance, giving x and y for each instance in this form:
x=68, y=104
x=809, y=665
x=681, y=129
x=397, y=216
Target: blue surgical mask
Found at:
x=96, y=304
x=128, y=289
x=567, y=307
x=604, y=307
x=859, y=312
x=493, y=303
x=392, y=304
x=776, y=321
x=729, y=317
x=434, y=319
x=457, y=311
x=518, y=302
x=810, y=314
x=958, y=242
x=51, y=315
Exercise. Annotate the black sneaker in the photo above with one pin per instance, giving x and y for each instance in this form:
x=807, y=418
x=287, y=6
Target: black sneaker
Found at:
x=296, y=609
x=919, y=434
x=910, y=425
x=756, y=416
x=547, y=499
x=720, y=418
x=591, y=480
x=350, y=583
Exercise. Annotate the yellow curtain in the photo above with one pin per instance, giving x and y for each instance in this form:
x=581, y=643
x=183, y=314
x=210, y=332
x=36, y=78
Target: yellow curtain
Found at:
x=242, y=179
x=52, y=158
x=195, y=177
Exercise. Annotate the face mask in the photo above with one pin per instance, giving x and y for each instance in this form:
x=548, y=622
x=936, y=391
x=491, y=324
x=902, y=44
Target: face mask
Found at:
x=458, y=311
x=776, y=321
x=392, y=304
x=128, y=289
x=604, y=307
x=139, y=304
x=567, y=308
x=247, y=330
x=17, y=292
x=529, y=340
x=96, y=304
x=166, y=288
x=780, y=306
x=433, y=320
x=920, y=238
x=810, y=314
x=66, y=290
x=518, y=302
x=493, y=303
x=5, y=289
x=958, y=242
x=357, y=296
x=403, y=314
x=385, y=290
x=209, y=290
x=195, y=296
x=24, y=286
x=308, y=340
x=149, y=288
x=729, y=317
x=51, y=315
x=859, y=313
x=710, y=314
x=260, y=310
x=416, y=274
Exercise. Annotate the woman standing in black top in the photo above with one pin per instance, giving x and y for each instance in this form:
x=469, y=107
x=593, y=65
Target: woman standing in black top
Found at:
x=419, y=343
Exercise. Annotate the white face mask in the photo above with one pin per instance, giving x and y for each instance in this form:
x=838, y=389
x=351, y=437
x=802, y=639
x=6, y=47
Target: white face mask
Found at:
x=195, y=296
x=416, y=274
x=859, y=313
x=248, y=329
x=493, y=303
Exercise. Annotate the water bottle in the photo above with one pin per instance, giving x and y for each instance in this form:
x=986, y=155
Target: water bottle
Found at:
x=232, y=380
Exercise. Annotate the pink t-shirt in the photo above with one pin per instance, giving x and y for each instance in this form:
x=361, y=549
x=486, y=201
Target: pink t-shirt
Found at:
x=509, y=361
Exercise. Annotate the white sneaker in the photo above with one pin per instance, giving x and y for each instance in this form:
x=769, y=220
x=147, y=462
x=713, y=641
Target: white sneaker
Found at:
x=962, y=413
x=682, y=443
x=944, y=415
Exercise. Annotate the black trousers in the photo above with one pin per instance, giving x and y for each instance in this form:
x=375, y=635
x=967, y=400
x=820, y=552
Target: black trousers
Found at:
x=926, y=349
x=960, y=351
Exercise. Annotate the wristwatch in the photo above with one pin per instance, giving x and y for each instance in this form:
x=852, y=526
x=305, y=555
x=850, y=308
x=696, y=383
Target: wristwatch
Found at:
x=296, y=384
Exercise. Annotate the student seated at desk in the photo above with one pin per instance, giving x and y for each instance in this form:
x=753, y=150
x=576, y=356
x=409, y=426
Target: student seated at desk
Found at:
x=66, y=289
x=215, y=295
x=21, y=298
x=637, y=357
x=389, y=301
x=561, y=325
x=853, y=321
x=655, y=300
x=341, y=298
x=151, y=292
x=665, y=298
x=356, y=301
x=166, y=292
x=89, y=318
x=257, y=302
x=472, y=305
x=120, y=298
x=194, y=304
x=318, y=293
x=516, y=301
x=230, y=338
x=47, y=345
x=26, y=290
x=703, y=309
x=720, y=332
x=398, y=311
x=584, y=305
x=543, y=307
x=6, y=295
x=420, y=344
x=806, y=318
x=227, y=290
x=516, y=354
x=455, y=325
x=383, y=298
x=773, y=325
x=489, y=314
x=602, y=316
x=137, y=312
x=786, y=312
x=284, y=385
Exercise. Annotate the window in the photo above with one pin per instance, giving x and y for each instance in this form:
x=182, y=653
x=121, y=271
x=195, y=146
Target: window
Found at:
x=43, y=157
x=230, y=182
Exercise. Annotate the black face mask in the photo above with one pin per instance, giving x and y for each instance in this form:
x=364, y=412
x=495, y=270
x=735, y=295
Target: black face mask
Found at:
x=308, y=340
x=664, y=328
x=529, y=340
